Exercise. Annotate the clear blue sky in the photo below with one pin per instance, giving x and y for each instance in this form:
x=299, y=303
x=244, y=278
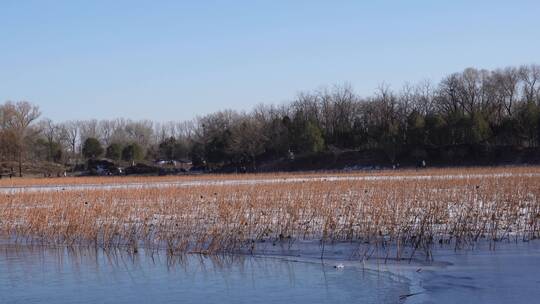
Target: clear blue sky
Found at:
x=173, y=60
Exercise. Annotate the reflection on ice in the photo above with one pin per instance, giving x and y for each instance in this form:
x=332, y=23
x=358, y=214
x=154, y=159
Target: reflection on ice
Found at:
x=62, y=275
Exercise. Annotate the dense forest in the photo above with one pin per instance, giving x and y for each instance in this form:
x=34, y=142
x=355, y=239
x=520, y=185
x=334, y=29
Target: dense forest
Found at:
x=467, y=116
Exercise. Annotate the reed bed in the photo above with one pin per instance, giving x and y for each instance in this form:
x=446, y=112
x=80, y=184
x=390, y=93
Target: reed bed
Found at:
x=99, y=180
x=395, y=215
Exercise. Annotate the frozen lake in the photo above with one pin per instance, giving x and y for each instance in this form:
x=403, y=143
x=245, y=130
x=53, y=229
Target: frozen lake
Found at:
x=509, y=274
x=40, y=275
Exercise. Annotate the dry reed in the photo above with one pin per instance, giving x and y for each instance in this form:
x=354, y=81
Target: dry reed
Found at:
x=393, y=214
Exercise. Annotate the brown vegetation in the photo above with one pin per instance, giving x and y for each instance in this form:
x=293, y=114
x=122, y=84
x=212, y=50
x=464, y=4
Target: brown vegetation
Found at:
x=391, y=214
x=98, y=180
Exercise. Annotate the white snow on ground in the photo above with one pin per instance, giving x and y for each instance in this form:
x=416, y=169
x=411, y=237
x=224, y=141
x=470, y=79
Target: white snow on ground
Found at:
x=232, y=182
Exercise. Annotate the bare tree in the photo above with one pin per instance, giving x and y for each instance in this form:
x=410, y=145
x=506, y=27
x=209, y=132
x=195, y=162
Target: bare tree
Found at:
x=21, y=115
x=247, y=140
x=52, y=134
x=88, y=128
x=70, y=132
x=530, y=76
x=502, y=92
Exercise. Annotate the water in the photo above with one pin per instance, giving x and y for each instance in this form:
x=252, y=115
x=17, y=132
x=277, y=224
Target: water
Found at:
x=47, y=275
x=508, y=274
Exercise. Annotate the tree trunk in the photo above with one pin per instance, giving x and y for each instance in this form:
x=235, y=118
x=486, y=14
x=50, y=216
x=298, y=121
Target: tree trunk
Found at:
x=20, y=164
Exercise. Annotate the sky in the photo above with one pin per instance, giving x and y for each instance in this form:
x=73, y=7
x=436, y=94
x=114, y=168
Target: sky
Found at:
x=175, y=60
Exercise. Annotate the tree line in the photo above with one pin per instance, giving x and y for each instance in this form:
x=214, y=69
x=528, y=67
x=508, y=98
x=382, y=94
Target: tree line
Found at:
x=476, y=109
